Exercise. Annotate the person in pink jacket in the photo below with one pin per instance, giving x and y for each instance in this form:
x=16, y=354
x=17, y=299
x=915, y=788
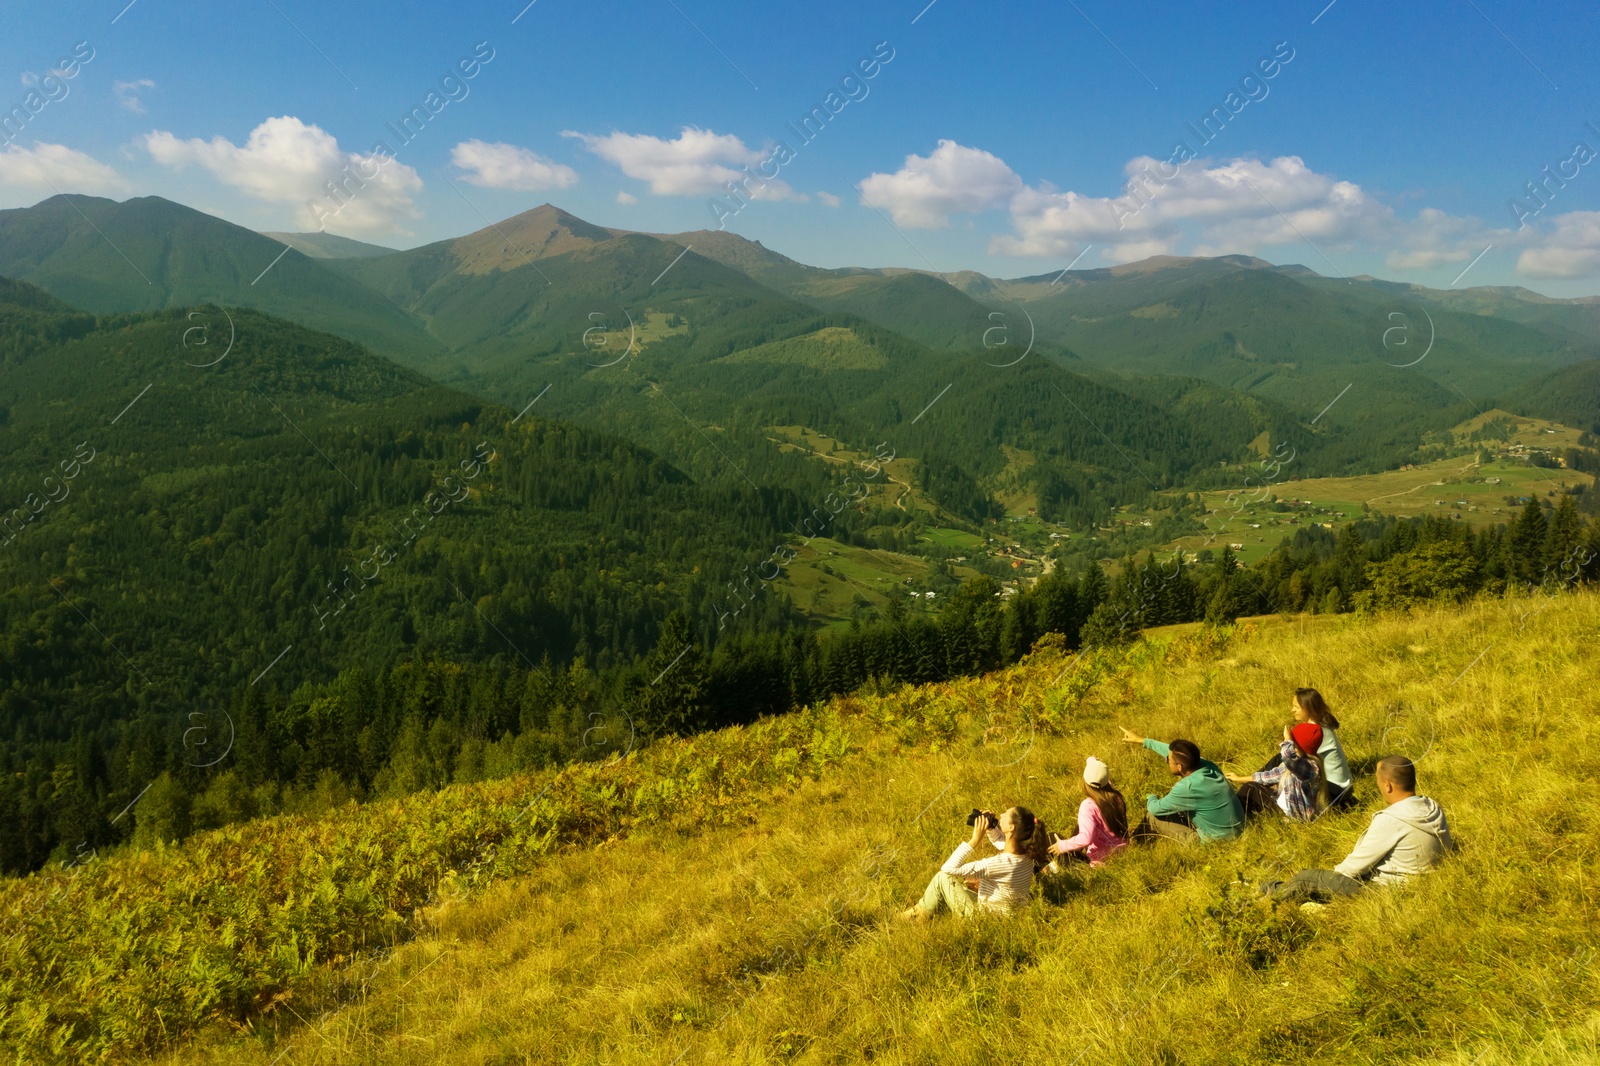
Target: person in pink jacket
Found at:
x=1102, y=818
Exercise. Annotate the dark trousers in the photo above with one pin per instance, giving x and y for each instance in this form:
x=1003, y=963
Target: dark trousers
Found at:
x=1318, y=885
x=1178, y=827
x=1343, y=799
x=1255, y=797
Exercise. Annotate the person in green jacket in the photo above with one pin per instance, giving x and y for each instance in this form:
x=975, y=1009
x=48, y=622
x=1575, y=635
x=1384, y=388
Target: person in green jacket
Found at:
x=1201, y=807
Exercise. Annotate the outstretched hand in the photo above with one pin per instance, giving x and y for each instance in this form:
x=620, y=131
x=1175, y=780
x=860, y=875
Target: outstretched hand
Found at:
x=1130, y=737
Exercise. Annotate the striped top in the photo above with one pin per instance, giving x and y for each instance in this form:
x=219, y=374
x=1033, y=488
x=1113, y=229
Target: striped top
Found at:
x=1004, y=880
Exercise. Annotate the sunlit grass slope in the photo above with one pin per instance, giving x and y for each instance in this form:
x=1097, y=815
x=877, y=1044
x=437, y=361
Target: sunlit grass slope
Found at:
x=773, y=939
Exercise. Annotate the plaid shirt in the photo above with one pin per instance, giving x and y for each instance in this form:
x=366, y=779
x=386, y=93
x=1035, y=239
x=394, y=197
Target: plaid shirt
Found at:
x=1296, y=778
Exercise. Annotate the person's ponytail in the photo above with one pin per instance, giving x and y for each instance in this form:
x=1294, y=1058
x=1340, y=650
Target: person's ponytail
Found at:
x=1033, y=837
x=1322, y=781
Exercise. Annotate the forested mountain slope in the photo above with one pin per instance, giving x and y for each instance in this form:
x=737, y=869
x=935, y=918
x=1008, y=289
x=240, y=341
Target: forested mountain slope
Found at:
x=177, y=533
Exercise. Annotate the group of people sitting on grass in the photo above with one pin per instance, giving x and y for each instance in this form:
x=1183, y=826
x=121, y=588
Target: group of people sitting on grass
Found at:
x=1306, y=778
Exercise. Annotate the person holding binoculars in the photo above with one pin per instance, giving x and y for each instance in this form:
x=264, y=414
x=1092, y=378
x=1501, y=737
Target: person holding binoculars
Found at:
x=996, y=884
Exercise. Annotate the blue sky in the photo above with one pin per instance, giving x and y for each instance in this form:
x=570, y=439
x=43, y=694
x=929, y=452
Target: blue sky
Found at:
x=998, y=138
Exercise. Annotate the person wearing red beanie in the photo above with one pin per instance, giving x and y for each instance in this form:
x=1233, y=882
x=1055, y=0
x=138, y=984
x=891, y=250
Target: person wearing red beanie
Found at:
x=1297, y=785
x=1309, y=706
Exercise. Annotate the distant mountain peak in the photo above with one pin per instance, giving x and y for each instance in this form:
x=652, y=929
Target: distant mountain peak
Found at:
x=1178, y=262
x=541, y=233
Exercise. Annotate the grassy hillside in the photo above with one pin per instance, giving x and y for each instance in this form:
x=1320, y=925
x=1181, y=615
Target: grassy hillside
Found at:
x=730, y=898
x=746, y=256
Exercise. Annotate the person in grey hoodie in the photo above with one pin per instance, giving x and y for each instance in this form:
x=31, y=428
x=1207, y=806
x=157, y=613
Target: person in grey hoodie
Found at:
x=1408, y=837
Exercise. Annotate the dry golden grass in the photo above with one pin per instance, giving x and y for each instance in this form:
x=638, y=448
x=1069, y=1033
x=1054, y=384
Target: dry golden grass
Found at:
x=777, y=943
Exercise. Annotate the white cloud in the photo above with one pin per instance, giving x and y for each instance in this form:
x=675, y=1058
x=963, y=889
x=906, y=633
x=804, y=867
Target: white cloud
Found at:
x=1213, y=207
x=924, y=192
x=1434, y=239
x=1240, y=205
x=286, y=161
x=48, y=168
x=505, y=166
x=697, y=163
x=626, y=198
x=1426, y=258
x=1050, y=223
x=828, y=199
x=127, y=93
x=1133, y=251
x=1571, y=250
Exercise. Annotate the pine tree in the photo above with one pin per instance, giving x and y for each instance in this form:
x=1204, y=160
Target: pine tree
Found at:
x=666, y=694
x=1563, y=545
x=1527, y=543
x=1056, y=606
x=1093, y=588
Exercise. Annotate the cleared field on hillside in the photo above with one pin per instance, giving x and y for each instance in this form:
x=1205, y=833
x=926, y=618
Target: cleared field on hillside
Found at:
x=953, y=538
x=833, y=348
x=1435, y=486
x=892, y=485
x=773, y=939
x=1458, y=487
x=827, y=576
x=1448, y=487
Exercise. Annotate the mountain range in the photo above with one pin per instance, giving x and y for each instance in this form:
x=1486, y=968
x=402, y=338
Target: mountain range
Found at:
x=507, y=309
x=694, y=345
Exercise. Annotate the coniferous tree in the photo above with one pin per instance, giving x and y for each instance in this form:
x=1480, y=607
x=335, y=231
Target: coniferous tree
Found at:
x=1563, y=544
x=664, y=694
x=1528, y=543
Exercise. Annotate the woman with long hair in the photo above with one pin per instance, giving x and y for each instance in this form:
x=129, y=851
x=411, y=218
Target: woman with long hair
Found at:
x=996, y=884
x=1102, y=818
x=1309, y=706
x=1297, y=785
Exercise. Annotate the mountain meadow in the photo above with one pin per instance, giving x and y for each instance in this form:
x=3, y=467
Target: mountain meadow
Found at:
x=730, y=896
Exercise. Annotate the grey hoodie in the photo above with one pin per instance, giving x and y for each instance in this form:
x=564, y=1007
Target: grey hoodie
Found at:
x=1405, y=838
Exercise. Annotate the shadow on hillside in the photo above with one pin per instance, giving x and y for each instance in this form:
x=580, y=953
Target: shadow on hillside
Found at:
x=1057, y=890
